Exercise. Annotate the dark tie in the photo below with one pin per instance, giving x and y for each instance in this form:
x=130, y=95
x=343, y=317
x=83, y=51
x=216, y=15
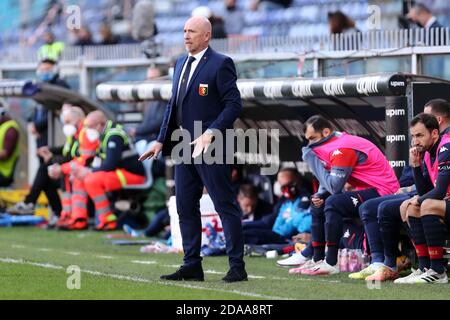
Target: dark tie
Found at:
x=182, y=91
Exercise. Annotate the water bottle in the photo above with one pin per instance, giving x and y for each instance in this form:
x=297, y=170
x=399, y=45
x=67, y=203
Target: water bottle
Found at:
x=353, y=261
x=343, y=260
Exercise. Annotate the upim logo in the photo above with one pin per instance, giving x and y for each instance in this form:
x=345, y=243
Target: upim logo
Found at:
x=302, y=88
x=367, y=85
x=272, y=89
x=397, y=163
x=397, y=84
x=395, y=112
x=395, y=138
x=334, y=87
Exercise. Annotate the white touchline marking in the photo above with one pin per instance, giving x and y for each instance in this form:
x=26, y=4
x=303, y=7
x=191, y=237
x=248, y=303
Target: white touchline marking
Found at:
x=143, y=262
x=17, y=246
x=44, y=249
x=37, y=264
x=210, y=271
x=139, y=279
x=305, y=279
x=72, y=253
x=218, y=272
x=214, y=272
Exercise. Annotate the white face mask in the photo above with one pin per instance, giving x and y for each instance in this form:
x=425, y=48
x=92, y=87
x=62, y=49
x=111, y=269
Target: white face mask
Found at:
x=277, y=189
x=92, y=134
x=69, y=130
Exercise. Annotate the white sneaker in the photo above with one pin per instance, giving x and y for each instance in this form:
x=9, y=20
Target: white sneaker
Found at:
x=307, y=265
x=21, y=208
x=411, y=278
x=296, y=260
x=321, y=269
x=431, y=276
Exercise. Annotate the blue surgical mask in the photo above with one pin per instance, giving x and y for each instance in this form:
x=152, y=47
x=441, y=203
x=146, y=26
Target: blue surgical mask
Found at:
x=45, y=76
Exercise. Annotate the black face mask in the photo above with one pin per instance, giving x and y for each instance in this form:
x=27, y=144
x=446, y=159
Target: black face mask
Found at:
x=290, y=191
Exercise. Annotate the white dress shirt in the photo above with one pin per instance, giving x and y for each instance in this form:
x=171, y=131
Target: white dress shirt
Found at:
x=194, y=65
x=430, y=22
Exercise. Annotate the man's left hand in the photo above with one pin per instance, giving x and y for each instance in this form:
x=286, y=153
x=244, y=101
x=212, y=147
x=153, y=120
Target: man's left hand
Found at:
x=202, y=144
x=415, y=201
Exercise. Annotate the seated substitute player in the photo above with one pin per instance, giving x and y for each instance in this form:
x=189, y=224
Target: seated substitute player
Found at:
x=381, y=216
x=390, y=220
x=349, y=159
x=426, y=211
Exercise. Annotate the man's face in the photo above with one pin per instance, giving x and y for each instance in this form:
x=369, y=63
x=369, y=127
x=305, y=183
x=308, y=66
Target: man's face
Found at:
x=48, y=38
x=195, y=38
x=285, y=178
x=45, y=67
x=94, y=124
x=46, y=72
x=153, y=73
x=314, y=136
x=230, y=3
x=427, y=110
x=423, y=139
x=247, y=204
x=69, y=119
x=413, y=15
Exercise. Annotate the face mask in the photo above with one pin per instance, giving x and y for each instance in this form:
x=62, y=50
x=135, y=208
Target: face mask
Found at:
x=277, y=189
x=289, y=191
x=92, y=135
x=69, y=130
x=45, y=76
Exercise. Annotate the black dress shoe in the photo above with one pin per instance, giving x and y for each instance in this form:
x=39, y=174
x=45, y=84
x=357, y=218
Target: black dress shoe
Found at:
x=185, y=273
x=235, y=275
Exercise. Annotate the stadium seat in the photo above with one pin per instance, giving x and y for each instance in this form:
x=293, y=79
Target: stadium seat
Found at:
x=263, y=185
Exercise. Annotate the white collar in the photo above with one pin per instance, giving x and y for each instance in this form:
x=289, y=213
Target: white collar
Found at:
x=198, y=56
x=430, y=22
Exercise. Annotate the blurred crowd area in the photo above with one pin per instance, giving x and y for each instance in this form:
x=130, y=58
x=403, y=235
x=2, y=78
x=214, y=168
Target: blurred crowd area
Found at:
x=28, y=22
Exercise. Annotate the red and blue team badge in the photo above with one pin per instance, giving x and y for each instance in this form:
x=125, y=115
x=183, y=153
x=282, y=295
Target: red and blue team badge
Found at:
x=203, y=90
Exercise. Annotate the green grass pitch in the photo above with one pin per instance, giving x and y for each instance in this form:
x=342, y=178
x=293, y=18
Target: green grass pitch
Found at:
x=34, y=262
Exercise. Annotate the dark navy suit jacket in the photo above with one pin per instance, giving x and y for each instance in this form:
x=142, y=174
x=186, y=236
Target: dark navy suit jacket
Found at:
x=217, y=109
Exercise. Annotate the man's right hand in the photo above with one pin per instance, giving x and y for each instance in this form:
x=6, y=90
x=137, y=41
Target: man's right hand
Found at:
x=415, y=157
x=45, y=153
x=54, y=171
x=153, y=152
x=317, y=202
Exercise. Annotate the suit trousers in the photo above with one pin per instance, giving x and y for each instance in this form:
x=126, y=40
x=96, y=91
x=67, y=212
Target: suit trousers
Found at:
x=189, y=182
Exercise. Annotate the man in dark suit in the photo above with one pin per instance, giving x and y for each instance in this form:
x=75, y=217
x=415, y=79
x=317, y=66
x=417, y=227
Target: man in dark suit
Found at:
x=423, y=16
x=204, y=89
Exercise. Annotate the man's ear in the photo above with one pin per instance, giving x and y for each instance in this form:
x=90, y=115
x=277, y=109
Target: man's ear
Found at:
x=436, y=133
x=326, y=132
